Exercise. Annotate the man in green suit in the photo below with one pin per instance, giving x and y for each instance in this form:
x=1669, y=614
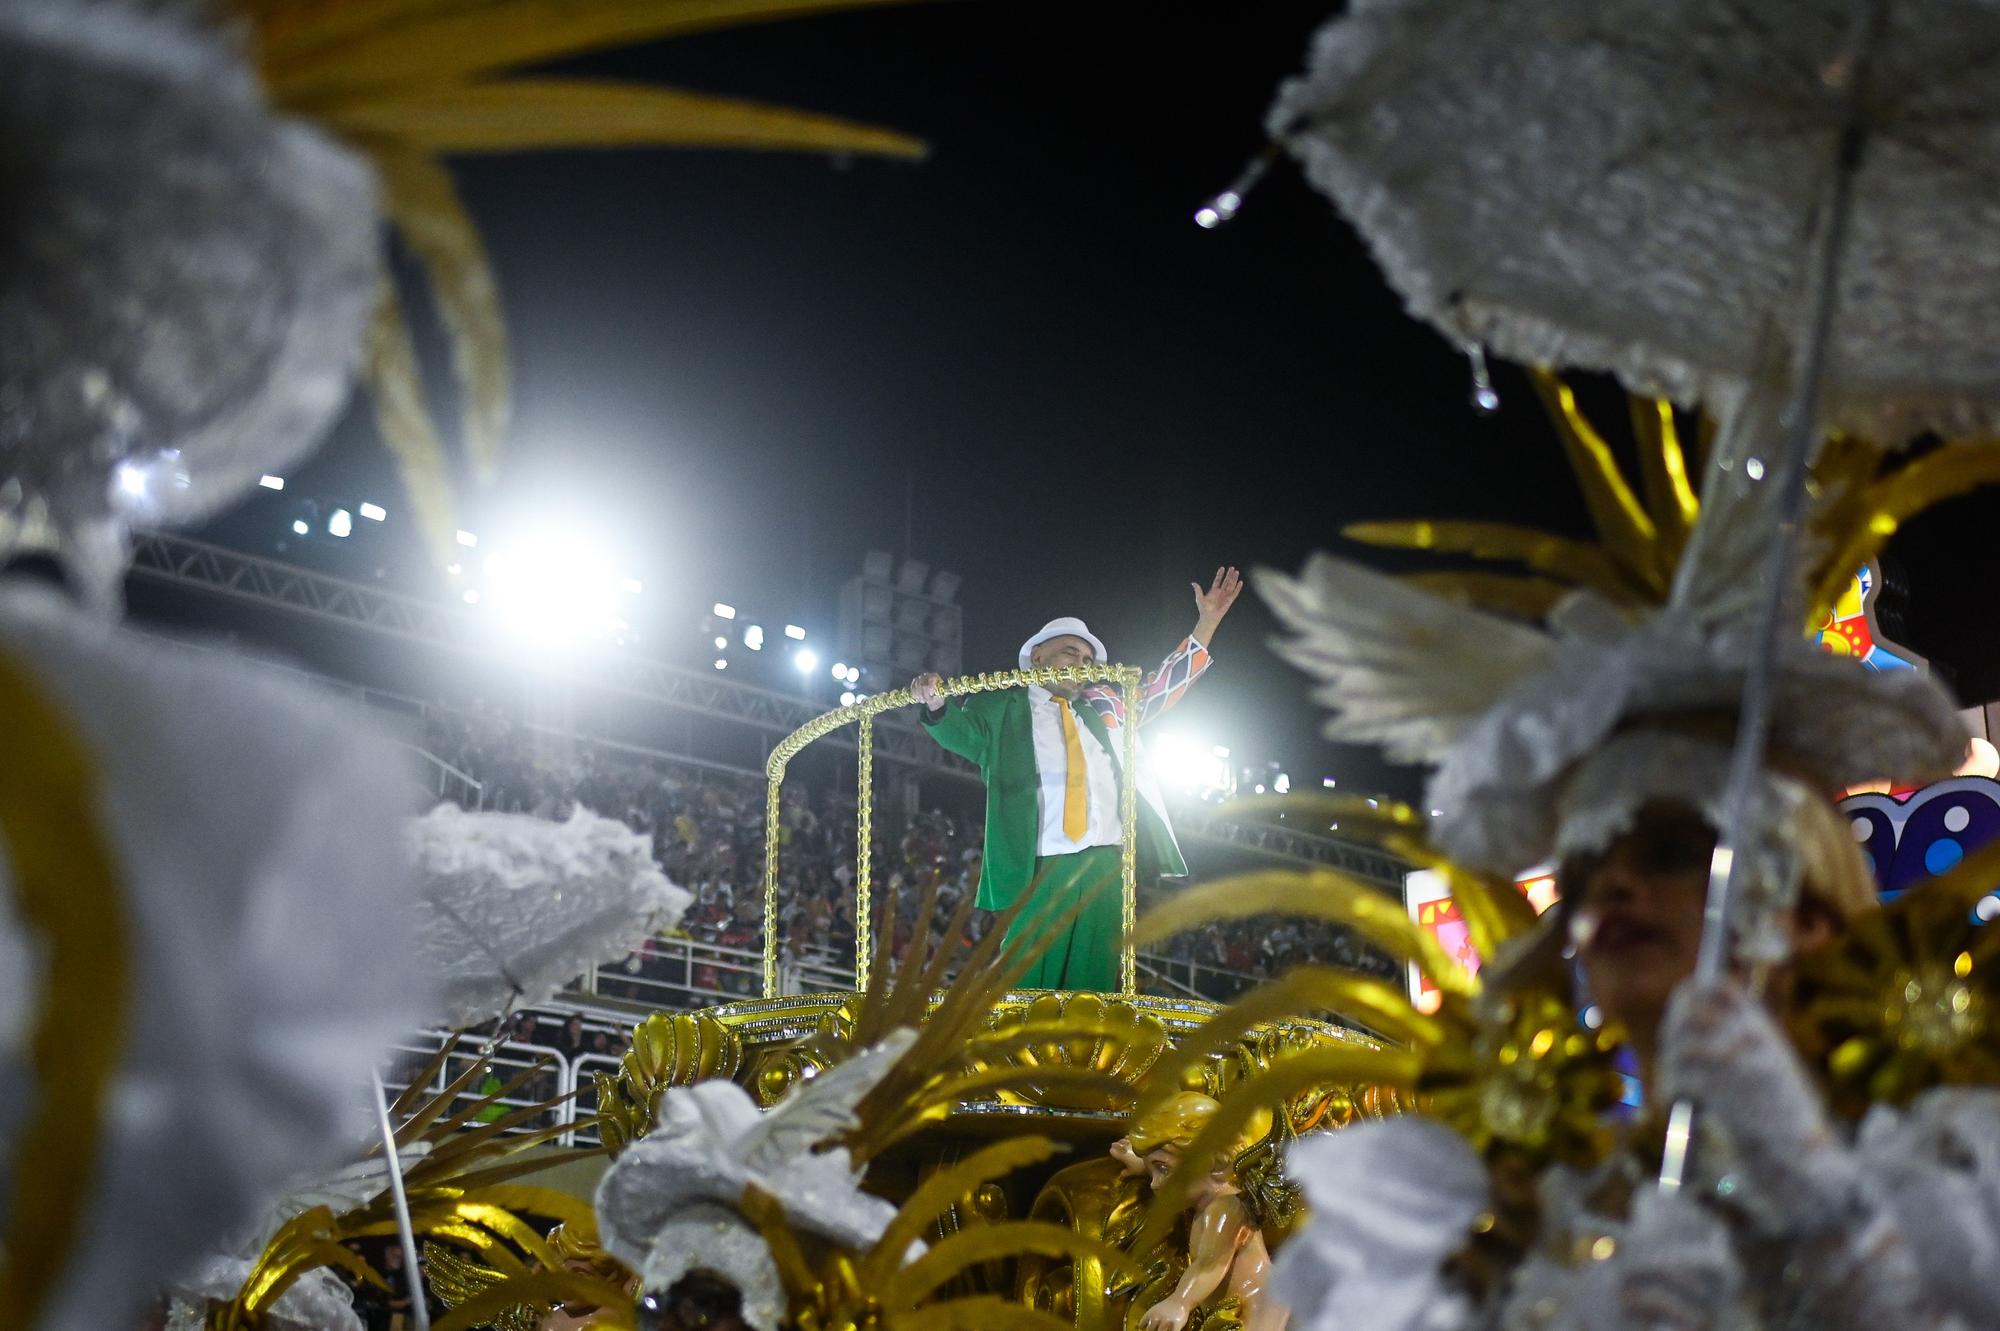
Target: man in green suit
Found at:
x=1051, y=761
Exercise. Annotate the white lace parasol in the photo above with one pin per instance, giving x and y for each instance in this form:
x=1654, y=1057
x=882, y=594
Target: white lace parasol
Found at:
x=514, y=907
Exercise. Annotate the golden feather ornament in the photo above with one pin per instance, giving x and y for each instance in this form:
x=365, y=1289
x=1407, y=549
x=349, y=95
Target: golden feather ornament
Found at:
x=407, y=83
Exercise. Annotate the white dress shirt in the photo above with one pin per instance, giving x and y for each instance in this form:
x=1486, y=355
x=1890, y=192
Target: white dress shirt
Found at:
x=1104, y=827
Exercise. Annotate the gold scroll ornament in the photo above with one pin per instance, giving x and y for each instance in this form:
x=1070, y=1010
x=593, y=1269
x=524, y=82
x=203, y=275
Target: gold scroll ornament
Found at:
x=863, y=715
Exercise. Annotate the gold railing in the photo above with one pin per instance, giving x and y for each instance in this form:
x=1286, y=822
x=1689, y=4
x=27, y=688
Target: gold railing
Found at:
x=862, y=715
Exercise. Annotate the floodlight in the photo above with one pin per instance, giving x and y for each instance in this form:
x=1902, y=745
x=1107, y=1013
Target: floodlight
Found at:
x=556, y=588
x=454, y=569
x=468, y=540
x=1328, y=782
x=374, y=512
x=341, y=523
x=131, y=481
x=847, y=700
x=795, y=633
x=472, y=596
x=271, y=482
x=806, y=660
x=1181, y=765
x=722, y=611
x=1283, y=785
x=721, y=642
x=721, y=664
x=839, y=670
x=854, y=674
x=753, y=637
x=299, y=527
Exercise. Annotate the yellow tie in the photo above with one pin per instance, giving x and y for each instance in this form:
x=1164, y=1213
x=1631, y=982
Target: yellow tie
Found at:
x=1076, y=785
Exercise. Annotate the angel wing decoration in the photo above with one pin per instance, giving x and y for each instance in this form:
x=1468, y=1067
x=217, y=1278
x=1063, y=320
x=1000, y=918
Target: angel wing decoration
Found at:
x=823, y=1111
x=673, y=1201
x=1391, y=660
x=1651, y=621
x=513, y=907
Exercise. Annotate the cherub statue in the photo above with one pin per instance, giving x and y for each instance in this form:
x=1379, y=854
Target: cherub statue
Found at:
x=1226, y=1249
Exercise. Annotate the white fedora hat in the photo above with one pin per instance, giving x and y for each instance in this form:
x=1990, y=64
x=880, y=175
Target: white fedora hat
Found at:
x=1061, y=628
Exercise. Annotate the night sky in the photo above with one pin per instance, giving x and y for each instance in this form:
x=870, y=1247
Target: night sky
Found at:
x=739, y=368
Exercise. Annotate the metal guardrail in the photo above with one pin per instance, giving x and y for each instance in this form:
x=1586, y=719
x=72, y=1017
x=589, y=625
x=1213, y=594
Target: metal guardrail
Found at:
x=682, y=974
x=675, y=975
x=269, y=583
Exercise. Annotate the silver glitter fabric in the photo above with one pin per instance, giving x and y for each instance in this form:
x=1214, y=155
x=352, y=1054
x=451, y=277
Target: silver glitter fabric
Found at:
x=1630, y=185
x=184, y=278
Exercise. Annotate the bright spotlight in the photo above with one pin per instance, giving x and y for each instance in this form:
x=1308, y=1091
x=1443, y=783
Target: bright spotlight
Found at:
x=839, y=671
x=721, y=642
x=340, y=524
x=454, y=569
x=753, y=637
x=271, y=482
x=854, y=674
x=847, y=699
x=1283, y=785
x=806, y=660
x=1328, y=782
x=557, y=588
x=374, y=512
x=1184, y=766
x=795, y=633
x=299, y=527
x=131, y=481
x=721, y=664
x=722, y=611
x=468, y=540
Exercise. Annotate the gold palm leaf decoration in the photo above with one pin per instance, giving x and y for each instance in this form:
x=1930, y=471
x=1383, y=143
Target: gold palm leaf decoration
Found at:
x=462, y=1190
x=459, y=1280
x=954, y=1057
x=1909, y=997
x=878, y=1289
x=410, y=82
x=1505, y=1065
x=947, y=1065
x=1862, y=497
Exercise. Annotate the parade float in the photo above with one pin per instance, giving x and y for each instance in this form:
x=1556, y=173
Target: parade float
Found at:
x=1055, y=1073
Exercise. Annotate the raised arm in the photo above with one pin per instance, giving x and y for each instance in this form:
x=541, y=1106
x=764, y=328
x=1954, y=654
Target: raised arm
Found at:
x=1184, y=665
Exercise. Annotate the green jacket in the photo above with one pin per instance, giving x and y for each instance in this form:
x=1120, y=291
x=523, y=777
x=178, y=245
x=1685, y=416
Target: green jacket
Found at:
x=996, y=731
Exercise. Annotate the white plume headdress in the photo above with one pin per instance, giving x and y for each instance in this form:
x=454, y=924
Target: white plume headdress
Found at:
x=1655, y=629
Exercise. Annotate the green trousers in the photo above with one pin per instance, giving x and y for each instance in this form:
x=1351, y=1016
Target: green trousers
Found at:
x=1081, y=951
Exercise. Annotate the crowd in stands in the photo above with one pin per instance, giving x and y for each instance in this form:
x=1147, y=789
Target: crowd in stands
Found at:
x=707, y=826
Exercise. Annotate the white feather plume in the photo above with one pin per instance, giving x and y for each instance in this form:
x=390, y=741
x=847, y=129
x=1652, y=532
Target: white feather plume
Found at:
x=1400, y=667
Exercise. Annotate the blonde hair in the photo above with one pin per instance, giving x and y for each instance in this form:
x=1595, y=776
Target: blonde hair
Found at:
x=1175, y=1121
